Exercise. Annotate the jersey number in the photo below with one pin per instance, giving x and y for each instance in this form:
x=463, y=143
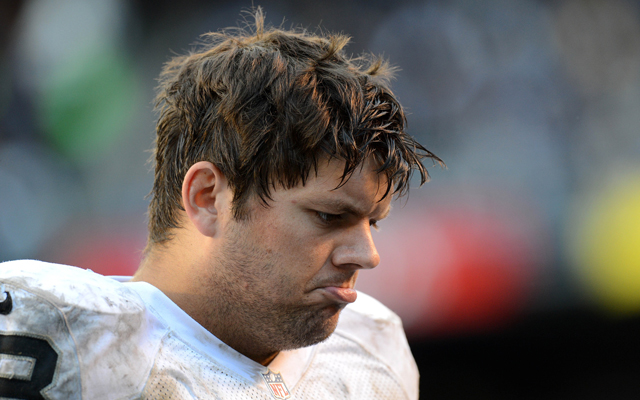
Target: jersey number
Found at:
x=45, y=366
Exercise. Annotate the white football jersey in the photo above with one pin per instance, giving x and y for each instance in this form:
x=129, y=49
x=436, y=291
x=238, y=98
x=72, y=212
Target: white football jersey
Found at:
x=68, y=333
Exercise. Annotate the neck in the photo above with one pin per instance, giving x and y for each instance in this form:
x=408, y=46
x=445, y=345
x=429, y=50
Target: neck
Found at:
x=193, y=290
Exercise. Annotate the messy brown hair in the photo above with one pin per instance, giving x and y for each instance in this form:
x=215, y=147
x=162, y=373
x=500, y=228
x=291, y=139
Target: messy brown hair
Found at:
x=264, y=105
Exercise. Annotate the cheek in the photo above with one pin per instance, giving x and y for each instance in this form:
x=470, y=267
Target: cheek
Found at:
x=299, y=260
x=296, y=246
x=286, y=238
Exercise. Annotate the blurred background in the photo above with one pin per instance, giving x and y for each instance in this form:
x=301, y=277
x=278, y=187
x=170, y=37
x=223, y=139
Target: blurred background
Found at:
x=516, y=270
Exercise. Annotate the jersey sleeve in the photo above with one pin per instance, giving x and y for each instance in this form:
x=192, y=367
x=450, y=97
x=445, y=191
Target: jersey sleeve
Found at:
x=38, y=357
x=71, y=334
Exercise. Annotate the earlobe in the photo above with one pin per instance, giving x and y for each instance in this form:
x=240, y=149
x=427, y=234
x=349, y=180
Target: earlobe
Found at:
x=203, y=191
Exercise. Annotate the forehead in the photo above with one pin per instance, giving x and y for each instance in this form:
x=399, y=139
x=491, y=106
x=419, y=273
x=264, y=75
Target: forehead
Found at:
x=363, y=191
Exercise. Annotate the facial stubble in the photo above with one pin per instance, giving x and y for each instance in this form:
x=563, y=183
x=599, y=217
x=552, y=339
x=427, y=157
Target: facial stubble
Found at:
x=256, y=317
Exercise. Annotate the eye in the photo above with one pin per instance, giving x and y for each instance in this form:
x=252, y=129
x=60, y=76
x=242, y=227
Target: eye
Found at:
x=327, y=218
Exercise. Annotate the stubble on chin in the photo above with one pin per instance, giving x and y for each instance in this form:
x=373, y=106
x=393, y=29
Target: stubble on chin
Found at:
x=277, y=328
x=253, y=322
x=307, y=328
x=254, y=306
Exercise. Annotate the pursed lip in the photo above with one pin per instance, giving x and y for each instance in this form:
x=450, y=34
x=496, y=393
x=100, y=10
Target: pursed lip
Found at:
x=338, y=284
x=340, y=293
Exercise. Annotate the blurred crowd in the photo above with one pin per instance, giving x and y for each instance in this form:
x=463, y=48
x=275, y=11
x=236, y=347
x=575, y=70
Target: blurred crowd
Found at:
x=533, y=105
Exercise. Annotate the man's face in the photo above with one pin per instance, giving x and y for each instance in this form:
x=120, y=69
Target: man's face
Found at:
x=284, y=274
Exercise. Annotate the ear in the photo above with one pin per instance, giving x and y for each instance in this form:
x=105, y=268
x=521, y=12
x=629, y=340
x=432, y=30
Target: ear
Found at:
x=205, y=193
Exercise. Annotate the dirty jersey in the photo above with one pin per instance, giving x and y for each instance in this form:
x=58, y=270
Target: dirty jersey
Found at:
x=68, y=333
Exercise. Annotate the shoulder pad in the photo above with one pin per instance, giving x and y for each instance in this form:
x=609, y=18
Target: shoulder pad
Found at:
x=95, y=333
x=379, y=331
x=70, y=286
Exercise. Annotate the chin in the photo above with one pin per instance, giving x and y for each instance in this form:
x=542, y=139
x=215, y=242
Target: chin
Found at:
x=314, y=329
x=325, y=325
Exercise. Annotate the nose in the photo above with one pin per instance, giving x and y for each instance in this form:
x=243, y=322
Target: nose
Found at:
x=356, y=249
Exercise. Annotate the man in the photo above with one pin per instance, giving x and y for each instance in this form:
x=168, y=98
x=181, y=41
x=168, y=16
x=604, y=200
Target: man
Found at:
x=275, y=156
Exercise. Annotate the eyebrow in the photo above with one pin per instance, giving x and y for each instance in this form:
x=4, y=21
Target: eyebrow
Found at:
x=342, y=206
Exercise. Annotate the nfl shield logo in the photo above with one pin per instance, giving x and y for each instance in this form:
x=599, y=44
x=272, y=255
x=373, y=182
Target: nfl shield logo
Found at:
x=276, y=385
